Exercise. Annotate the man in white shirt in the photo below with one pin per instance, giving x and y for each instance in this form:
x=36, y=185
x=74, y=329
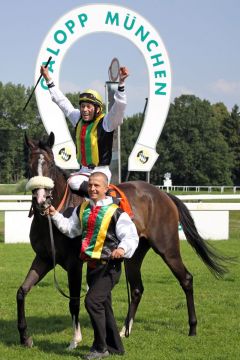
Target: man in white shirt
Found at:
x=108, y=236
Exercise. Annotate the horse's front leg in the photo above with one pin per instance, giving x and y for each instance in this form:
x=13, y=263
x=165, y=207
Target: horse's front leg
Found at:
x=74, y=283
x=38, y=270
x=133, y=272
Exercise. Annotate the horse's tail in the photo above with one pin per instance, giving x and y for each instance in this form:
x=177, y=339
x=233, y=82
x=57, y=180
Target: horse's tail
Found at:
x=213, y=260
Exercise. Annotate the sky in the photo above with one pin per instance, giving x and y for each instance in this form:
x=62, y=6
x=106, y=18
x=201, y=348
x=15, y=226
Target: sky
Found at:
x=201, y=38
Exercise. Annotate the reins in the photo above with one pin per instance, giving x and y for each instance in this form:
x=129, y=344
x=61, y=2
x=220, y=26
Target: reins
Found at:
x=57, y=286
x=54, y=251
x=63, y=199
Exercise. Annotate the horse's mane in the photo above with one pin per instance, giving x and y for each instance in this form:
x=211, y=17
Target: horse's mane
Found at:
x=65, y=173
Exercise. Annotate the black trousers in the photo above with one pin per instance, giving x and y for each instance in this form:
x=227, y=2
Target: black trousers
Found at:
x=98, y=303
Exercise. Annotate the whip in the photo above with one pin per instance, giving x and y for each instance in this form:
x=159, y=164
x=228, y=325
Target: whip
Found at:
x=50, y=58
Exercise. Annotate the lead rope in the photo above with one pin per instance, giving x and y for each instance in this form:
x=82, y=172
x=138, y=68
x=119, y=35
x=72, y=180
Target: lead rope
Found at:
x=54, y=264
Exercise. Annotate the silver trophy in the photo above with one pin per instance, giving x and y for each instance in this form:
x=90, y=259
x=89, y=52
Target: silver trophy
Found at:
x=113, y=70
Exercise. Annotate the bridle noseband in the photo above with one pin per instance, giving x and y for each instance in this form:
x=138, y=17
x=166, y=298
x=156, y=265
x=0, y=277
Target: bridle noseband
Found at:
x=41, y=208
x=39, y=156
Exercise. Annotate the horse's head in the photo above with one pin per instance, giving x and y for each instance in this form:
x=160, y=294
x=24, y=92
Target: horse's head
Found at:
x=42, y=171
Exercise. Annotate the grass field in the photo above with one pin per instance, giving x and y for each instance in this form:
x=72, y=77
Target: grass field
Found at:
x=160, y=330
x=7, y=189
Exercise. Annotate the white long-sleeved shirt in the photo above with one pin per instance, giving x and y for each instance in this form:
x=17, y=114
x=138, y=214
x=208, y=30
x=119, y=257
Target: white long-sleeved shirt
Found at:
x=126, y=231
x=111, y=120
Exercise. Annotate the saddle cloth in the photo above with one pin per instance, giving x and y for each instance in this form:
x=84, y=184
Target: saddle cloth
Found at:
x=124, y=203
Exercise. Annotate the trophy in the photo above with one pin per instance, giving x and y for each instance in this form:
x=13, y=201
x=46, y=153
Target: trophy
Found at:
x=113, y=71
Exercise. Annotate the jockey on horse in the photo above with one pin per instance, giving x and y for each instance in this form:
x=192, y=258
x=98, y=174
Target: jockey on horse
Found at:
x=94, y=129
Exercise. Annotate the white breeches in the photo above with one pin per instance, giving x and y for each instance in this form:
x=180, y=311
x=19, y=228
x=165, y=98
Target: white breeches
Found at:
x=76, y=179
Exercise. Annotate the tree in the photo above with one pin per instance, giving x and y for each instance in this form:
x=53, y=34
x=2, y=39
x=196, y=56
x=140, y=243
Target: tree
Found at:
x=11, y=156
x=13, y=122
x=231, y=132
x=192, y=146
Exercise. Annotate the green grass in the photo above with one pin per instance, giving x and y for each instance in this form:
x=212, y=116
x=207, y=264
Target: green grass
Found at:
x=234, y=224
x=160, y=330
x=1, y=226
x=8, y=189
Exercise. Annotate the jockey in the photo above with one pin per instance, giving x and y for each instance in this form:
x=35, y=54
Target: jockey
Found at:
x=94, y=129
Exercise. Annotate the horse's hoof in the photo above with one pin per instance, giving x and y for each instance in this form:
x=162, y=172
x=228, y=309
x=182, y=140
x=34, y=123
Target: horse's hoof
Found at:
x=192, y=332
x=28, y=342
x=123, y=332
x=73, y=344
x=126, y=332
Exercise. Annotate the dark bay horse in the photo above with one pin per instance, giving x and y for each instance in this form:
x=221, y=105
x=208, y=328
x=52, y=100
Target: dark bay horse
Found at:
x=156, y=215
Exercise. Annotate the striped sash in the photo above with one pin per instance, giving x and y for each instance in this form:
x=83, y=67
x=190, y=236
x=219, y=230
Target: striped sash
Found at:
x=87, y=142
x=95, y=222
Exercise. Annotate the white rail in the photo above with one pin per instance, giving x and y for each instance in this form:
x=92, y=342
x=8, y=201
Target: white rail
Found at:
x=15, y=197
x=16, y=221
x=199, y=188
x=209, y=197
x=211, y=218
x=14, y=206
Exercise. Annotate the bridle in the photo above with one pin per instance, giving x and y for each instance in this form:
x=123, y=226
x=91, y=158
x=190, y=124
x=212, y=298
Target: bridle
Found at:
x=41, y=208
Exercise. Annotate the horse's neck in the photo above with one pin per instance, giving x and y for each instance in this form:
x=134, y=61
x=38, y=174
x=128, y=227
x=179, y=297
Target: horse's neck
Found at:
x=60, y=187
x=62, y=194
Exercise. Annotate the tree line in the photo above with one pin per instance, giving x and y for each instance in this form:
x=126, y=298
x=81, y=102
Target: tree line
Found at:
x=199, y=144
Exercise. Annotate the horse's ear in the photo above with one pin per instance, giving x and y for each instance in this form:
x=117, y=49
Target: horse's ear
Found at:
x=28, y=142
x=51, y=140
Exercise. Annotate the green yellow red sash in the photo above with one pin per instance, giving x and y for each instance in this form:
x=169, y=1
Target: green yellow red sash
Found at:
x=94, y=223
x=87, y=142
